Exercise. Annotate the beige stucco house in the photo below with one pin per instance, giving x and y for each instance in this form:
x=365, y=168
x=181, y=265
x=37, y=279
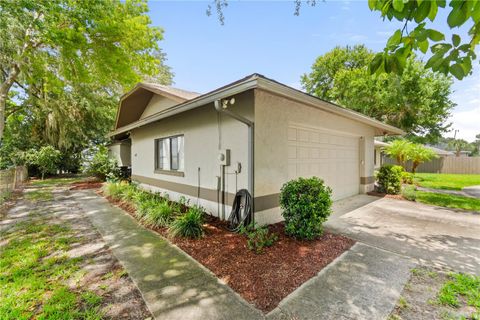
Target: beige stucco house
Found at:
x=379, y=147
x=252, y=134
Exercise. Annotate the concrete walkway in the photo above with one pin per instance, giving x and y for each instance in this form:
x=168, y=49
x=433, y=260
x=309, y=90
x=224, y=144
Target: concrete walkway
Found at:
x=432, y=235
x=364, y=283
x=173, y=285
x=473, y=191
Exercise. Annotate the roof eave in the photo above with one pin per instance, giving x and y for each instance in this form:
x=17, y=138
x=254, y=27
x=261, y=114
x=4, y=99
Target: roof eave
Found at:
x=253, y=82
x=207, y=98
x=301, y=96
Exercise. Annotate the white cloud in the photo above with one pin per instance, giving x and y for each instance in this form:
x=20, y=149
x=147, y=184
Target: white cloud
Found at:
x=466, y=116
x=468, y=123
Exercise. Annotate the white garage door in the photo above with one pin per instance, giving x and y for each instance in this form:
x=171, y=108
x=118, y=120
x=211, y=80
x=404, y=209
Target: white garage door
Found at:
x=332, y=156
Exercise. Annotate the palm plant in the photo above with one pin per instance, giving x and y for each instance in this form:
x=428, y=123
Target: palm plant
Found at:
x=420, y=154
x=400, y=151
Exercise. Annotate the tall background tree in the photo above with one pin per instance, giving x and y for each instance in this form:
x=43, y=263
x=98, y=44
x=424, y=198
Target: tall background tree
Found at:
x=63, y=66
x=416, y=101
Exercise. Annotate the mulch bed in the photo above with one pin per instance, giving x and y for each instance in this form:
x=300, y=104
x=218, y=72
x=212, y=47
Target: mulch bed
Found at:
x=83, y=185
x=261, y=279
x=384, y=195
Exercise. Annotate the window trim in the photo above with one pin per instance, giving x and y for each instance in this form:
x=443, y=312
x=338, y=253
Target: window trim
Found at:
x=156, y=164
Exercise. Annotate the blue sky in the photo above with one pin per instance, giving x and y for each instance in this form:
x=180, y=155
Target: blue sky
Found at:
x=265, y=37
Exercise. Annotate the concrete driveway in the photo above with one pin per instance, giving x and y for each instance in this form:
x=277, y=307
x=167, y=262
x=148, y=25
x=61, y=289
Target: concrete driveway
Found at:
x=431, y=235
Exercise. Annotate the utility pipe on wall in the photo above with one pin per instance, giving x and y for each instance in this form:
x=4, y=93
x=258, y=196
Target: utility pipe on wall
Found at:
x=250, y=124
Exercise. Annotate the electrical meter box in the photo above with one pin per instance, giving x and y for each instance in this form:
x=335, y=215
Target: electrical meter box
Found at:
x=224, y=157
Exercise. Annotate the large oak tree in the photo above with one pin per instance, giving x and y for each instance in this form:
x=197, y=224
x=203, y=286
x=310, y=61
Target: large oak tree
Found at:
x=65, y=56
x=416, y=101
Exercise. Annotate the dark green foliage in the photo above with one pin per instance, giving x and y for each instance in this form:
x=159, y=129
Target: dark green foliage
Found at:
x=46, y=160
x=417, y=101
x=453, y=56
x=102, y=166
x=389, y=179
x=306, y=204
x=258, y=237
x=188, y=225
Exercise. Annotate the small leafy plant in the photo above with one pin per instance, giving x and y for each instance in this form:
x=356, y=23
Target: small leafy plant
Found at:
x=389, y=179
x=407, y=177
x=102, y=166
x=306, y=204
x=409, y=193
x=115, y=189
x=188, y=225
x=258, y=237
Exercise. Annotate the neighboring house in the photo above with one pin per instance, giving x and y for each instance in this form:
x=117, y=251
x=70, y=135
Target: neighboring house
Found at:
x=253, y=134
x=378, y=153
x=441, y=152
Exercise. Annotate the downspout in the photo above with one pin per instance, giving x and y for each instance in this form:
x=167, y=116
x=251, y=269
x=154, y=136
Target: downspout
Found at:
x=251, y=136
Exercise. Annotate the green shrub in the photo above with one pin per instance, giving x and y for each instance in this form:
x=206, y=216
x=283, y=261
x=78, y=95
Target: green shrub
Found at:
x=409, y=193
x=407, y=177
x=188, y=225
x=145, y=206
x=258, y=237
x=46, y=160
x=159, y=215
x=129, y=193
x=102, y=166
x=389, y=179
x=306, y=204
x=115, y=189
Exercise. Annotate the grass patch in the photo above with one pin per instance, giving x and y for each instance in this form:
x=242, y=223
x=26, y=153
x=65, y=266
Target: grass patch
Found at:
x=459, y=290
x=4, y=196
x=34, y=269
x=55, y=182
x=448, y=201
x=446, y=181
x=39, y=195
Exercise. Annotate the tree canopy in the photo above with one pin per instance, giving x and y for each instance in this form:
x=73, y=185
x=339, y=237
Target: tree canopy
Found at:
x=453, y=56
x=416, y=101
x=63, y=66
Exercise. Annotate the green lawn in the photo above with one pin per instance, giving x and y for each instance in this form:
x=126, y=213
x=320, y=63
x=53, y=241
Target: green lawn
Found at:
x=462, y=289
x=449, y=201
x=446, y=181
x=51, y=182
x=35, y=271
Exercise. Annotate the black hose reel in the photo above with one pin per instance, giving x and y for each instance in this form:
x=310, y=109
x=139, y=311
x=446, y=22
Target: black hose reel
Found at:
x=242, y=210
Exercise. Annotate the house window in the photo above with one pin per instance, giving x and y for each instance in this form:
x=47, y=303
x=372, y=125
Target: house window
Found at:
x=169, y=154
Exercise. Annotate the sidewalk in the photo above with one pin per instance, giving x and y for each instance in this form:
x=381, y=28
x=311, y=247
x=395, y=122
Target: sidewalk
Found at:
x=173, y=285
x=364, y=283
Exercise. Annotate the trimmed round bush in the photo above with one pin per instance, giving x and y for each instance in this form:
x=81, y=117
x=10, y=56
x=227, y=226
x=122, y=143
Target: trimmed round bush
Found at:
x=306, y=204
x=188, y=225
x=389, y=179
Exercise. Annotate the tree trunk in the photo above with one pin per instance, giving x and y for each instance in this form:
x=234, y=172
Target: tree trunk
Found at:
x=414, y=167
x=4, y=90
